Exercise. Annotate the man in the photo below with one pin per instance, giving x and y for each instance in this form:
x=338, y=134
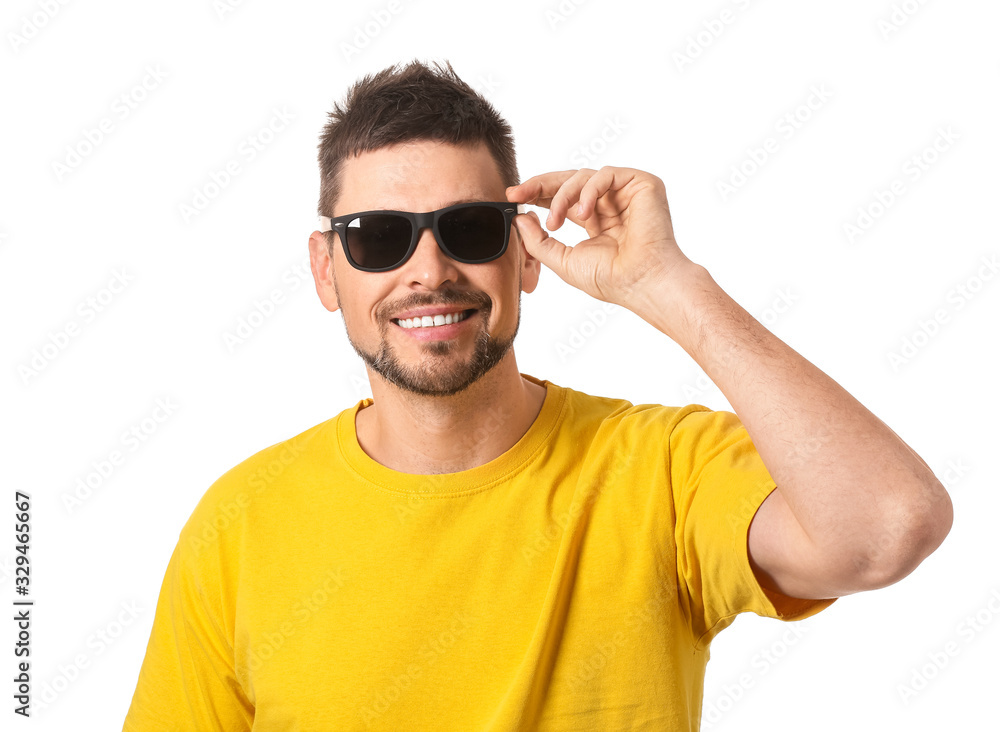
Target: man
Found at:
x=478, y=549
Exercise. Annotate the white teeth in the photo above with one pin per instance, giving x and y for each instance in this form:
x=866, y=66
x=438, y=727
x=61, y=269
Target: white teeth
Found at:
x=428, y=321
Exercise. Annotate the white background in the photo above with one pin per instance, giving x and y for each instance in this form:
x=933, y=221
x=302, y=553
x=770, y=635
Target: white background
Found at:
x=598, y=83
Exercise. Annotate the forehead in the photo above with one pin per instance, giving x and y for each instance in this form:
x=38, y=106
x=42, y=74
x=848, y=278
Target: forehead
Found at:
x=418, y=176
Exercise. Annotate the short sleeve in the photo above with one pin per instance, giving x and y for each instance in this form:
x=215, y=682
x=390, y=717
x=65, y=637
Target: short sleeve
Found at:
x=718, y=481
x=187, y=680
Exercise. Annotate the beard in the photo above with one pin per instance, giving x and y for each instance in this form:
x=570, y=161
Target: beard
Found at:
x=437, y=374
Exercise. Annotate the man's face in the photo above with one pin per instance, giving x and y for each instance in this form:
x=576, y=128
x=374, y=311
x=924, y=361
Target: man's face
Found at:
x=439, y=360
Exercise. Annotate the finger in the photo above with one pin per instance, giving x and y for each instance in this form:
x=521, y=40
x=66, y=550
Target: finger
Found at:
x=567, y=196
x=539, y=189
x=605, y=180
x=546, y=249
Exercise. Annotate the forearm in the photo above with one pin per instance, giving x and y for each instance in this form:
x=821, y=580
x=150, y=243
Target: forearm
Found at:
x=853, y=485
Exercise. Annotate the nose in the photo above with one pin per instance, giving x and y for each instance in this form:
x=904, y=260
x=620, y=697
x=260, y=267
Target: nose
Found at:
x=429, y=267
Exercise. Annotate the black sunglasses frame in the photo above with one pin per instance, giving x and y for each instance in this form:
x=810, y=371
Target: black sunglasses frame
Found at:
x=421, y=221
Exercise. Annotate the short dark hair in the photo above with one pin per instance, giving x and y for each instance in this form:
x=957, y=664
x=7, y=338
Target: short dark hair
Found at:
x=405, y=104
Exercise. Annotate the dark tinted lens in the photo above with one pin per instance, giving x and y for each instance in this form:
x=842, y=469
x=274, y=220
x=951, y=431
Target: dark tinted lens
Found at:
x=378, y=240
x=473, y=232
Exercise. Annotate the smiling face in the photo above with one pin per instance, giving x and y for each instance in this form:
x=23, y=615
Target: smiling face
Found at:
x=478, y=303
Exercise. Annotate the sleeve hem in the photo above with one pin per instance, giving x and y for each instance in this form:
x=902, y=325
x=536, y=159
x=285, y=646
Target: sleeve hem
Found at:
x=768, y=604
x=778, y=606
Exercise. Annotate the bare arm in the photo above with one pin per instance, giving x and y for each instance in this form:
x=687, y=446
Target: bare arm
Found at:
x=855, y=508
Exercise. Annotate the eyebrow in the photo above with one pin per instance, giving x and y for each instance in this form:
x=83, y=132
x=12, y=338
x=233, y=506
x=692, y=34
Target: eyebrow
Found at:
x=457, y=201
x=464, y=200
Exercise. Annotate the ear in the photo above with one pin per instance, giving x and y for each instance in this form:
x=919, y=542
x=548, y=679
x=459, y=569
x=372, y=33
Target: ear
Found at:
x=531, y=267
x=321, y=263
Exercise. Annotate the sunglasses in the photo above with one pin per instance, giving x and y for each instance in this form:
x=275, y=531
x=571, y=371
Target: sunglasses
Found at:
x=379, y=241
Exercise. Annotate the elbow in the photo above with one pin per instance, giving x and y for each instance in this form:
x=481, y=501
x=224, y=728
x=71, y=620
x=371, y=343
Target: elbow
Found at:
x=905, y=541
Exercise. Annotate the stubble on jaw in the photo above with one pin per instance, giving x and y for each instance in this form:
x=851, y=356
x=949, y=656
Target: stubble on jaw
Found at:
x=426, y=379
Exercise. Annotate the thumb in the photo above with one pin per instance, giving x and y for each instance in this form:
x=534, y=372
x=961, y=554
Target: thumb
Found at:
x=549, y=251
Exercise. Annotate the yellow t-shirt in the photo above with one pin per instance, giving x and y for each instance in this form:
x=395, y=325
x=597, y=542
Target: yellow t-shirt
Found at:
x=573, y=583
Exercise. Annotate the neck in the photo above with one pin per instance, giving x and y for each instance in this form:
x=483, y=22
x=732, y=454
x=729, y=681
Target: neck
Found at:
x=420, y=434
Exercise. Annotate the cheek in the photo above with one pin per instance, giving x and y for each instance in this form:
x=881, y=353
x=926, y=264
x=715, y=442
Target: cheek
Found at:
x=359, y=303
x=506, y=297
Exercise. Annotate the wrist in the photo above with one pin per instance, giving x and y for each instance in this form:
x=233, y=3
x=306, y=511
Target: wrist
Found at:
x=678, y=305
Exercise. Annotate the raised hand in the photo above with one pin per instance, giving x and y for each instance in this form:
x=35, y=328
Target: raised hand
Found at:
x=625, y=213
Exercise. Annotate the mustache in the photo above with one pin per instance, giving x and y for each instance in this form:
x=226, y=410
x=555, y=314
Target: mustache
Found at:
x=467, y=299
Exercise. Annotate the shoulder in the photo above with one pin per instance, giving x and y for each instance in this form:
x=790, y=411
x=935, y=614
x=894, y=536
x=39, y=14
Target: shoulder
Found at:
x=619, y=413
x=224, y=505
x=683, y=426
